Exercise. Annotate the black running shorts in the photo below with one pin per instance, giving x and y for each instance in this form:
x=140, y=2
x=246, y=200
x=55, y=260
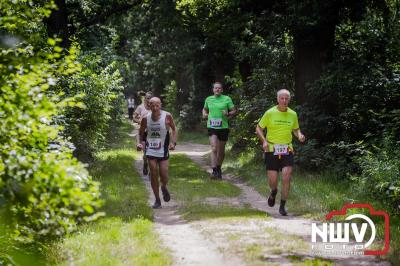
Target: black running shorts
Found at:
x=222, y=134
x=159, y=159
x=273, y=162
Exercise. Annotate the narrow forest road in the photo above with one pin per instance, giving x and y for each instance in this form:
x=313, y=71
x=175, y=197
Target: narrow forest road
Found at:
x=188, y=245
x=275, y=240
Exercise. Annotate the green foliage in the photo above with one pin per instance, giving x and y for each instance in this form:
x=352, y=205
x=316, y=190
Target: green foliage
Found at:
x=170, y=99
x=258, y=93
x=356, y=99
x=126, y=234
x=100, y=94
x=380, y=173
x=44, y=190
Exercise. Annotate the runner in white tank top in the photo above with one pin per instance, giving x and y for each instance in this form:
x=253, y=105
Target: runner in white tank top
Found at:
x=157, y=140
x=158, y=124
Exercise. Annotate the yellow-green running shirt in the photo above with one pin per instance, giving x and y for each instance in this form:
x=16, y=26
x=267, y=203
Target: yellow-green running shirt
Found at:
x=215, y=106
x=279, y=126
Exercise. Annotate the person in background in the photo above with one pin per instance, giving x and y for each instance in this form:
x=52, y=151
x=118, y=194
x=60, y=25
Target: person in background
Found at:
x=218, y=109
x=141, y=111
x=131, y=107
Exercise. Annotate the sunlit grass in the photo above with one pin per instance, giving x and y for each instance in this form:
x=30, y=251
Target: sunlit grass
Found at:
x=123, y=191
x=114, y=242
x=189, y=183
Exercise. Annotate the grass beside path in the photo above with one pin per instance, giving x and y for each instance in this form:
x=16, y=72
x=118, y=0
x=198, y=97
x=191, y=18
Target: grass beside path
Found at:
x=198, y=136
x=314, y=195
x=242, y=230
x=125, y=235
x=190, y=186
x=190, y=183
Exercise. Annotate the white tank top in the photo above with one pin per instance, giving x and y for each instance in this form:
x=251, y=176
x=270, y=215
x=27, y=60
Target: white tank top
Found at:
x=157, y=140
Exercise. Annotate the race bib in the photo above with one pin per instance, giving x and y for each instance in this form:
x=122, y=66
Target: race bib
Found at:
x=281, y=149
x=216, y=122
x=154, y=144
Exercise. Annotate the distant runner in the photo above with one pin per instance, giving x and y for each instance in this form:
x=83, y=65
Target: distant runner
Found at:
x=131, y=107
x=280, y=121
x=158, y=124
x=141, y=111
x=218, y=108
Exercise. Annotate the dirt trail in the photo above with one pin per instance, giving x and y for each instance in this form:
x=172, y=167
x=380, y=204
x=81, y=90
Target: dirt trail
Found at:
x=290, y=224
x=209, y=242
x=188, y=245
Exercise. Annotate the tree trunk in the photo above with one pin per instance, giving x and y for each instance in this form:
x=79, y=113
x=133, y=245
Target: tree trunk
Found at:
x=57, y=24
x=312, y=52
x=223, y=65
x=183, y=86
x=245, y=71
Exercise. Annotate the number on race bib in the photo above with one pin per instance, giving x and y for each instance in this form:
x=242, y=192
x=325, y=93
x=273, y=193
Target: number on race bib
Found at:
x=216, y=122
x=280, y=149
x=154, y=144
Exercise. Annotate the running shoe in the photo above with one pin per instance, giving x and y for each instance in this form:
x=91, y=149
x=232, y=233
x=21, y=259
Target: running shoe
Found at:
x=282, y=210
x=214, y=174
x=157, y=204
x=219, y=172
x=271, y=200
x=165, y=194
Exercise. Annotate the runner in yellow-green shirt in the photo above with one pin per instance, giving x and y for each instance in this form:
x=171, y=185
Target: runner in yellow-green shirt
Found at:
x=280, y=122
x=218, y=109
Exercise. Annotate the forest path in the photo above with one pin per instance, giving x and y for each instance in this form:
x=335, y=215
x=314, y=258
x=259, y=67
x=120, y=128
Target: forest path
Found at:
x=275, y=240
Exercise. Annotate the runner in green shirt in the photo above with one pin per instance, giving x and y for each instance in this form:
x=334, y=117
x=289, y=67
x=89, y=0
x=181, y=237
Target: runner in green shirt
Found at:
x=218, y=109
x=280, y=122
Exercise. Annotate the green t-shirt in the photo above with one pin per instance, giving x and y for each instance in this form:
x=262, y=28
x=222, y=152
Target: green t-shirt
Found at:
x=279, y=126
x=215, y=106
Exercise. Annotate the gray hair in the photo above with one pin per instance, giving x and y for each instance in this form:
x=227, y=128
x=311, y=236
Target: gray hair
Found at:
x=282, y=91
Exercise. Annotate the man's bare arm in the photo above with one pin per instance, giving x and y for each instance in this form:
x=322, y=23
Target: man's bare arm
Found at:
x=140, y=136
x=260, y=134
x=205, y=112
x=173, y=132
x=299, y=135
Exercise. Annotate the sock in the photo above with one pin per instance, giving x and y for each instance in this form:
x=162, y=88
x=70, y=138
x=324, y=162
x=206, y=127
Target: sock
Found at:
x=283, y=202
x=219, y=167
x=274, y=192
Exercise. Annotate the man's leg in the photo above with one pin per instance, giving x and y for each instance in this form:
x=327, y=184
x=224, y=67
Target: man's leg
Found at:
x=214, y=148
x=272, y=179
x=154, y=182
x=273, y=185
x=164, y=179
x=130, y=113
x=214, y=154
x=145, y=161
x=286, y=176
x=220, y=156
